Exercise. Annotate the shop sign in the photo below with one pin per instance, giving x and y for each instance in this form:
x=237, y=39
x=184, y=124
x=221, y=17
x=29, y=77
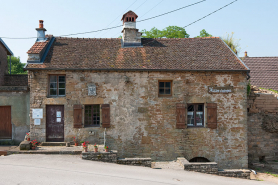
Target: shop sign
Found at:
x=224, y=90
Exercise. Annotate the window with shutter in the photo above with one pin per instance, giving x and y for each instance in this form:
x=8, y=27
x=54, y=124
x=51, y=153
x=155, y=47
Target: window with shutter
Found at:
x=181, y=112
x=77, y=115
x=105, y=108
x=212, y=115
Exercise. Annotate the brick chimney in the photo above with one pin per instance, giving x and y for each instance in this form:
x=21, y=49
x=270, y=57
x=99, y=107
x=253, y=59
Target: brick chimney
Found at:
x=41, y=32
x=131, y=36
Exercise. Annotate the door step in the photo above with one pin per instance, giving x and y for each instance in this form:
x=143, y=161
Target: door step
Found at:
x=55, y=144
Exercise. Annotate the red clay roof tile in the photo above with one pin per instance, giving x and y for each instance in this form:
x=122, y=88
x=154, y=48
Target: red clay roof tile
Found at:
x=156, y=54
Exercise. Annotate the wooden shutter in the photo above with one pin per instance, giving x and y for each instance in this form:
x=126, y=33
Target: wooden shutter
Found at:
x=77, y=115
x=105, y=108
x=181, y=115
x=212, y=115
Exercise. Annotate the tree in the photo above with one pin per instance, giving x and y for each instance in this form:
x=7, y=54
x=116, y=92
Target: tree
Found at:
x=168, y=32
x=204, y=33
x=232, y=42
x=17, y=66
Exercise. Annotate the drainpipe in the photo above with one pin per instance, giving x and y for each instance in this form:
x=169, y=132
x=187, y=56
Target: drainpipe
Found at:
x=10, y=64
x=104, y=136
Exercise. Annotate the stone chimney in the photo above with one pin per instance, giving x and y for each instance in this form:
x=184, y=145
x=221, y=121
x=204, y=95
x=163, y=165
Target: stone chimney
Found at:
x=41, y=32
x=131, y=36
x=245, y=54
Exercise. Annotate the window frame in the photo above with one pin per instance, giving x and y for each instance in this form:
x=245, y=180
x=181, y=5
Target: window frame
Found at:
x=195, y=110
x=85, y=116
x=57, y=86
x=171, y=87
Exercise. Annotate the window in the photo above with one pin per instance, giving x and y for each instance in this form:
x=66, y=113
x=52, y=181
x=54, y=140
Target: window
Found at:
x=92, y=116
x=57, y=85
x=195, y=115
x=164, y=88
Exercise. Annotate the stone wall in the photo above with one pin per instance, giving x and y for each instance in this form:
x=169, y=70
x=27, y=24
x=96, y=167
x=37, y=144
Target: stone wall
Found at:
x=20, y=103
x=262, y=125
x=3, y=63
x=143, y=124
x=16, y=80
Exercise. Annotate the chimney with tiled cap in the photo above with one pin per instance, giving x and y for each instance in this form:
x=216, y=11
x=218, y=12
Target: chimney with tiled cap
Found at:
x=131, y=36
x=41, y=32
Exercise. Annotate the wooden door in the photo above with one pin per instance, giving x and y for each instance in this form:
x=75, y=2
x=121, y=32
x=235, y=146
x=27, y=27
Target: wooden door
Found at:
x=5, y=122
x=54, y=123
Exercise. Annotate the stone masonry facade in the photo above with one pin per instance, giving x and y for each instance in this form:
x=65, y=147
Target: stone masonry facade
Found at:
x=143, y=124
x=262, y=126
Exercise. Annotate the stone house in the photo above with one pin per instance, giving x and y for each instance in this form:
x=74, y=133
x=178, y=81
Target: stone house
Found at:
x=14, y=100
x=159, y=98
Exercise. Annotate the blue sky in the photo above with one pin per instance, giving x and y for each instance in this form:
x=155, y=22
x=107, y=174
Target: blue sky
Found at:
x=254, y=22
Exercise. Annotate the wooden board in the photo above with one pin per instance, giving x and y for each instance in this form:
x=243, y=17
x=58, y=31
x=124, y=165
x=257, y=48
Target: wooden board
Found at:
x=5, y=122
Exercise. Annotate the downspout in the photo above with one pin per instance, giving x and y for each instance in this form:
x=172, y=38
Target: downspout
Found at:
x=10, y=64
x=248, y=76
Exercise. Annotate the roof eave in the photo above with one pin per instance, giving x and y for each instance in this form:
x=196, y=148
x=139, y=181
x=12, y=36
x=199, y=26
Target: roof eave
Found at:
x=9, y=52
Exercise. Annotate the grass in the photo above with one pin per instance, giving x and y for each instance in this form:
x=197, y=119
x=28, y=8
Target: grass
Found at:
x=275, y=175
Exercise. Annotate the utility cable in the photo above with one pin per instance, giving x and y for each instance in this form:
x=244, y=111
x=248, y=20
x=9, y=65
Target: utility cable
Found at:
x=210, y=13
x=113, y=26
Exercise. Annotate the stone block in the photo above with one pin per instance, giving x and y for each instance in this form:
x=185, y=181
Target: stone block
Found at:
x=25, y=145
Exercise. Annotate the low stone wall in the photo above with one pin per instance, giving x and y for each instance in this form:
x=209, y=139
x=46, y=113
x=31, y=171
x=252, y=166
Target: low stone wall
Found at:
x=110, y=157
x=210, y=168
x=243, y=174
x=135, y=161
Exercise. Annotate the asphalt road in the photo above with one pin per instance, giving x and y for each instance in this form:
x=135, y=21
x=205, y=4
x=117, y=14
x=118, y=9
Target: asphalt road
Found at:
x=68, y=169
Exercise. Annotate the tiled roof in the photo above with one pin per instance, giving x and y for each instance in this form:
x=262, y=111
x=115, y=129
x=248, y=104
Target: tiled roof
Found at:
x=156, y=54
x=263, y=71
x=39, y=46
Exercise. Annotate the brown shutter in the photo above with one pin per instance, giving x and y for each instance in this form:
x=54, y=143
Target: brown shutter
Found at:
x=77, y=115
x=212, y=115
x=105, y=108
x=181, y=115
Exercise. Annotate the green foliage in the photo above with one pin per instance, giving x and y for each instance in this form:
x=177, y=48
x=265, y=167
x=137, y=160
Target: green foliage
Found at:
x=9, y=142
x=204, y=33
x=17, y=66
x=168, y=32
x=232, y=42
x=248, y=88
x=269, y=90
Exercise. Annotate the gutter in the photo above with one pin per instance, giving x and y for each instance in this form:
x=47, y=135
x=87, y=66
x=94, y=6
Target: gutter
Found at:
x=93, y=69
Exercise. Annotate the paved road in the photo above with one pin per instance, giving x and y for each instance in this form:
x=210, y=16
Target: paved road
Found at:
x=68, y=169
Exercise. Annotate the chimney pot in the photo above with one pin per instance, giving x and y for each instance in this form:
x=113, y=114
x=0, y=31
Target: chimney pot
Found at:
x=40, y=23
x=245, y=54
